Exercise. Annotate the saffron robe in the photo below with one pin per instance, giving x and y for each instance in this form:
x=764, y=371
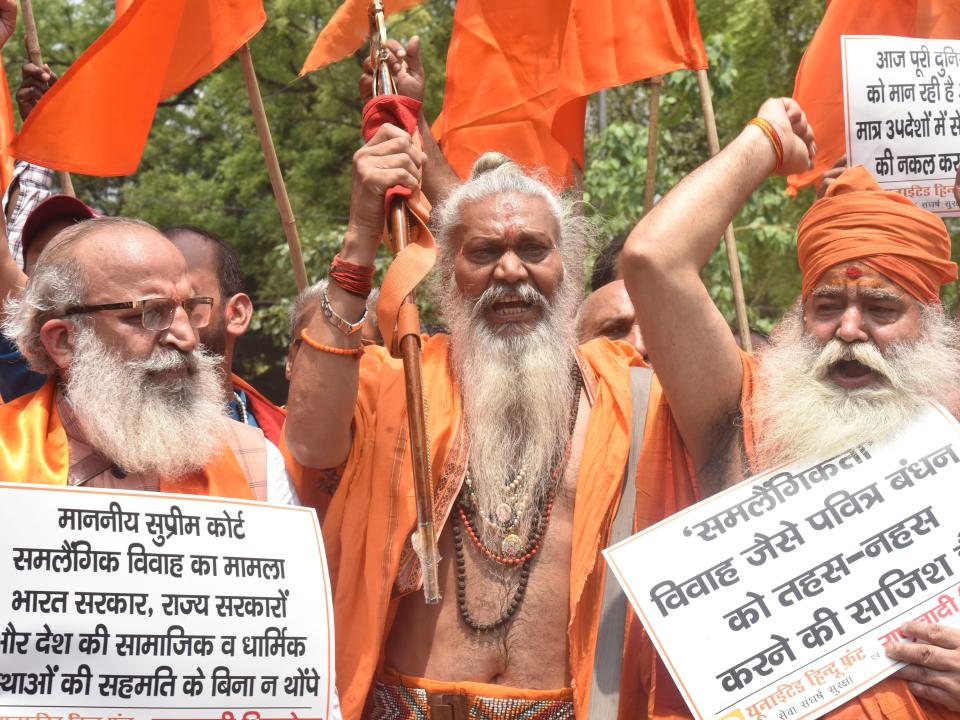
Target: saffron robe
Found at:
x=370, y=517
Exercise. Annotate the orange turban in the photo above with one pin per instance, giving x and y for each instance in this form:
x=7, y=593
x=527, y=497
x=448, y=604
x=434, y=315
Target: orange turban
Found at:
x=858, y=220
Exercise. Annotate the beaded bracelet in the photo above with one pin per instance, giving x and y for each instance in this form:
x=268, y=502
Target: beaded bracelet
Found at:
x=355, y=352
x=773, y=137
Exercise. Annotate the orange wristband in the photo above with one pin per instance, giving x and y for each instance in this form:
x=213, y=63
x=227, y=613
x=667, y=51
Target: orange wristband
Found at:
x=773, y=137
x=356, y=352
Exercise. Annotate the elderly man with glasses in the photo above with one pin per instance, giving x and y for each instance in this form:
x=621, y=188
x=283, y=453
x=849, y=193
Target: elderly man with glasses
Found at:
x=133, y=402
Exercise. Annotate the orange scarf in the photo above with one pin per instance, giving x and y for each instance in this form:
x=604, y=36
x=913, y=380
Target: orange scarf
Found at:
x=35, y=450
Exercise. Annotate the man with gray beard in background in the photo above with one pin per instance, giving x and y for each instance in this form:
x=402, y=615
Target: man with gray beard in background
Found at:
x=865, y=347
x=528, y=434
x=132, y=401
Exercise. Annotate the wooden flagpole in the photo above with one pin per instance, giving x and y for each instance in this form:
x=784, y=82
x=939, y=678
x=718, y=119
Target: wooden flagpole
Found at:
x=273, y=167
x=653, y=131
x=32, y=42
x=729, y=239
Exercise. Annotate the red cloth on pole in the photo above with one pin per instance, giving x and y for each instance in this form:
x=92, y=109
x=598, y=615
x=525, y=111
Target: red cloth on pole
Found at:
x=395, y=110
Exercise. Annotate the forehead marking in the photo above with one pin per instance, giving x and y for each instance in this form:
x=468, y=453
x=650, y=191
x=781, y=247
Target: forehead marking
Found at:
x=509, y=215
x=853, y=272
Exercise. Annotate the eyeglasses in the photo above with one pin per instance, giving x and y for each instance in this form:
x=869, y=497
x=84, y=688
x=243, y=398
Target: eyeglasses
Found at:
x=157, y=313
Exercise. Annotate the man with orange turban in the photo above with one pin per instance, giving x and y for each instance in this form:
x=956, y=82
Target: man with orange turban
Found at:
x=863, y=348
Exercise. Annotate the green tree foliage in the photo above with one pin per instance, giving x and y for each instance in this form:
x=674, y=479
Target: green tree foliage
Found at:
x=203, y=163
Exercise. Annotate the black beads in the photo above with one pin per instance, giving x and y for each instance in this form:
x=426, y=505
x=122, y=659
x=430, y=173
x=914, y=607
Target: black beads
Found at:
x=465, y=615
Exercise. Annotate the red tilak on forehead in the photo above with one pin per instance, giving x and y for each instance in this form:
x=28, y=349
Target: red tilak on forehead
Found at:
x=853, y=272
x=510, y=228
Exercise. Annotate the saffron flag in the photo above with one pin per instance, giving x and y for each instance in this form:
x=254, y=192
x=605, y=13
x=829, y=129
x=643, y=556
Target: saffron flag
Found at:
x=96, y=118
x=819, y=84
x=122, y=6
x=6, y=132
x=347, y=31
x=519, y=73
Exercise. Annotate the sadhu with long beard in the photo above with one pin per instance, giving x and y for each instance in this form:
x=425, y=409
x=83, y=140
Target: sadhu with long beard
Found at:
x=529, y=436
x=133, y=402
x=865, y=346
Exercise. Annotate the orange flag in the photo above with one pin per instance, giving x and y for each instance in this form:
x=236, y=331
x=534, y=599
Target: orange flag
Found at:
x=6, y=132
x=96, y=118
x=519, y=73
x=122, y=6
x=819, y=83
x=347, y=30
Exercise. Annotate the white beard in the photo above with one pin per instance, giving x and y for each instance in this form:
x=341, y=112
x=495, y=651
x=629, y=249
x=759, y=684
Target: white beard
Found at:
x=799, y=411
x=518, y=394
x=141, y=423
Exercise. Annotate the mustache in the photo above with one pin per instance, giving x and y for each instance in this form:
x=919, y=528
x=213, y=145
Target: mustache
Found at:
x=497, y=292
x=169, y=359
x=866, y=353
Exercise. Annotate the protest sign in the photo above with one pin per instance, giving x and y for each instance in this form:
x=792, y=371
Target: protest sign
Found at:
x=776, y=597
x=149, y=606
x=901, y=114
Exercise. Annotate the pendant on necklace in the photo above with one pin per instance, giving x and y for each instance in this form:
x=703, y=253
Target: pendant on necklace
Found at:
x=504, y=515
x=512, y=545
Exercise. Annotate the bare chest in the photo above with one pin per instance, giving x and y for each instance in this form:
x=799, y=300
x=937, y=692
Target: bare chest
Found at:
x=529, y=649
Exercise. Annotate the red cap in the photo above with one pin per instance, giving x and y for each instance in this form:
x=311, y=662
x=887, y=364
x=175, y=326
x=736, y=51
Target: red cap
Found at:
x=56, y=207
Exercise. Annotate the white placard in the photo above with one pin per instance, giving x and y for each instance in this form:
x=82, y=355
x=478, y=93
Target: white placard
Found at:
x=153, y=606
x=901, y=103
x=775, y=598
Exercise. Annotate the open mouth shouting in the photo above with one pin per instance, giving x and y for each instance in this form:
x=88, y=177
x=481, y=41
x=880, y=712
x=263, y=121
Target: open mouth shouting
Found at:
x=852, y=374
x=510, y=310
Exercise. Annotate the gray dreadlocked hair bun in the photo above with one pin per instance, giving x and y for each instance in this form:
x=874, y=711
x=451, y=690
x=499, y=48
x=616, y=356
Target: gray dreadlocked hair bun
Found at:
x=494, y=162
x=493, y=174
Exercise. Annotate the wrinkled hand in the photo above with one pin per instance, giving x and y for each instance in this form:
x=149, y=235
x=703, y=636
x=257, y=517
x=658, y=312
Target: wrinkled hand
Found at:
x=8, y=19
x=34, y=82
x=796, y=135
x=827, y=179
x=407, y=69
x=389, y=158
x=934, y=670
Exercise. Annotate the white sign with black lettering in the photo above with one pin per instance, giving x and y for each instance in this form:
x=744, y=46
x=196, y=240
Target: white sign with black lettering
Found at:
x=153, y=606
x=775, y=598
x=901, y=105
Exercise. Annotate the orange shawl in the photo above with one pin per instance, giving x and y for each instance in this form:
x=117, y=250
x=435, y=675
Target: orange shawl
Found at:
x=372, y=513
x=34, y=449
x=666, y=459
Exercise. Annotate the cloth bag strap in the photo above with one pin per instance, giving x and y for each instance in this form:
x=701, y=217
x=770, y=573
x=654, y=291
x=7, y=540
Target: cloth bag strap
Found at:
x=608, y=656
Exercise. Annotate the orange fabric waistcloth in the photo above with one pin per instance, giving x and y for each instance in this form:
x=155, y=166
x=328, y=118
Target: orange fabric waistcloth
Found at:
x=402, y=696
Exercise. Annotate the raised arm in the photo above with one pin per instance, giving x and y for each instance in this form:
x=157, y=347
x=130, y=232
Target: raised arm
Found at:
x=686, y=336
x=323, y=384
x=405, y=64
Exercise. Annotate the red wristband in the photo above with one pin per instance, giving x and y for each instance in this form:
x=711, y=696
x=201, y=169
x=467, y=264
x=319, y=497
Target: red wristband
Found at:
x=355, y=279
